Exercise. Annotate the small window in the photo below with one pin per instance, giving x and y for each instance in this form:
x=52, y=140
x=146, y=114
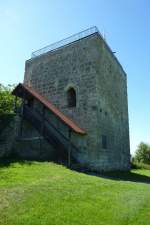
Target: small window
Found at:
x=71, y=97
x=104, y=141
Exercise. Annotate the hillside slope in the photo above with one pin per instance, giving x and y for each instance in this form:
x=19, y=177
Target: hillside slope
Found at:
x=49, y=194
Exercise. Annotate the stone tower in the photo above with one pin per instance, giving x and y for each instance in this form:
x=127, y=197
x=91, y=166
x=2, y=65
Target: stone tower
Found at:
x=82, y=77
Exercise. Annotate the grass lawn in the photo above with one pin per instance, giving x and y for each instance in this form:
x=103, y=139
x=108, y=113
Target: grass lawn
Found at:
x=49, y=194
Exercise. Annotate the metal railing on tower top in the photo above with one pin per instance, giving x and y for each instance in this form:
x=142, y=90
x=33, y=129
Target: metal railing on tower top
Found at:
x=73, y=38
x=66, y=41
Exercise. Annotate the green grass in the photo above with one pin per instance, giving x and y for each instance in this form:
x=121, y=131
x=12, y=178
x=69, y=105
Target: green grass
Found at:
x=49, y=194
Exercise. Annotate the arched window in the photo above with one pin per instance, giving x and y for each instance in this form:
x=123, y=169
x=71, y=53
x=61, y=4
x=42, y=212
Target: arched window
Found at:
x=71, y=97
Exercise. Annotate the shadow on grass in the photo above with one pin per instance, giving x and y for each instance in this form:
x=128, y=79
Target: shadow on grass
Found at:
x=125, y=176
x=115, y=175
x=9, y=162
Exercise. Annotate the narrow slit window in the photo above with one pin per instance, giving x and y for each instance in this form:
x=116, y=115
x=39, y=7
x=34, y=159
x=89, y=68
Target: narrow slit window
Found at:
x=71, y=97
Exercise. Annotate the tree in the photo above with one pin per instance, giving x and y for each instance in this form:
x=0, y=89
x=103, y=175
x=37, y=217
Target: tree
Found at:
x=6, y=99
x=6, y=106
x=143, y=153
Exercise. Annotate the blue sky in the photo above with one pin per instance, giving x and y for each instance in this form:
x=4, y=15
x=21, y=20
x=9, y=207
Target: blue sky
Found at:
x=27, y=25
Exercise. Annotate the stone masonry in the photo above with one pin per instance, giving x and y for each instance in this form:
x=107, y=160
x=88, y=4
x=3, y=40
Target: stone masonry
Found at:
x=91, y=69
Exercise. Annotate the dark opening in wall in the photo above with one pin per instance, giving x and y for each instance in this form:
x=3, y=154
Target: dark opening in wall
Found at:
x=29, y=102
x=104, y=141
x=71, y=97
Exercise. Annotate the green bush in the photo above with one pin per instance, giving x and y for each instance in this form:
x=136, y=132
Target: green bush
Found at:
x=6, y=106
x=138, y=165
x=143, y=153
x=6, y=99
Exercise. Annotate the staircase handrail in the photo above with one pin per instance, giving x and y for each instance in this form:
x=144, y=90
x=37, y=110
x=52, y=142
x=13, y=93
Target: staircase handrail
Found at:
x=35, y=114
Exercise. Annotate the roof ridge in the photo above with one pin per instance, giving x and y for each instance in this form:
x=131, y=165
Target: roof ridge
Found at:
x=65, y=119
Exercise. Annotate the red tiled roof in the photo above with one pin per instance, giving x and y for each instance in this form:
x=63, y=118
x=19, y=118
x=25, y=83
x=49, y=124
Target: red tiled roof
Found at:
x=17, y=92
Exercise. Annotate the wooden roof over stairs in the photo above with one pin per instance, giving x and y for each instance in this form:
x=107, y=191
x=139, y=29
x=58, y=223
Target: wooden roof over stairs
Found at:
x=22, y=89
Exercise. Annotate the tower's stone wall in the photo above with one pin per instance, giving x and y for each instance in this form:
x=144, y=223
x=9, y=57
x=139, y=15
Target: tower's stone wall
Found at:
x=112, y=109
x=89, y=67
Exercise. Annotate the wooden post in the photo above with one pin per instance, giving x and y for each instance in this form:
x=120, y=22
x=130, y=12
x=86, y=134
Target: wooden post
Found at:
x=42, y=126
x=43, y=120
x=69, y=149
x=22, y=114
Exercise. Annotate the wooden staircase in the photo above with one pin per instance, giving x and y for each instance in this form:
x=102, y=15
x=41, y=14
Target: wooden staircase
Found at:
x=61, y=143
